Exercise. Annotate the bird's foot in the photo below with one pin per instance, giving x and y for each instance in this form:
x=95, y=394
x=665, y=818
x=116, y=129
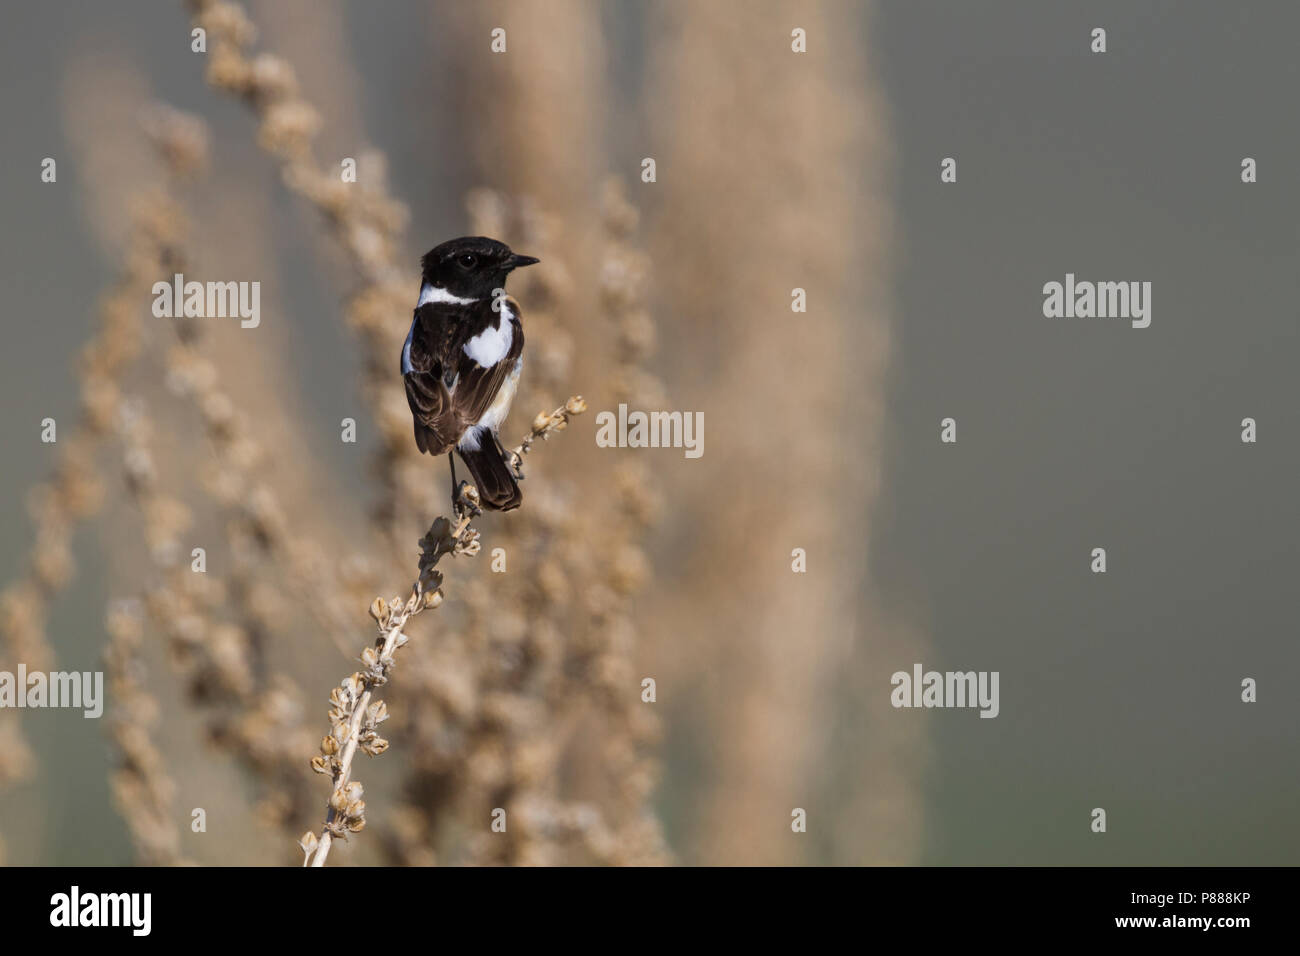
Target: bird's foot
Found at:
x=465, y=500
x=515, y=462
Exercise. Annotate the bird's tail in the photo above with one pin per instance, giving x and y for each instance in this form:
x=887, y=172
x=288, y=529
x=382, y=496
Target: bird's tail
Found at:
x=497, y=488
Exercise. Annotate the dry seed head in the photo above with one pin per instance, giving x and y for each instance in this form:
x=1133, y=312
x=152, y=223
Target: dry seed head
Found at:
x=230, y=22
x=443, y=537
x=272, y=76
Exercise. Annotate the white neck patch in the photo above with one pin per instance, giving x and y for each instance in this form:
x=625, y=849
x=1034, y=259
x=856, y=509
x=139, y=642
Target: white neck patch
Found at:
x=431, y=293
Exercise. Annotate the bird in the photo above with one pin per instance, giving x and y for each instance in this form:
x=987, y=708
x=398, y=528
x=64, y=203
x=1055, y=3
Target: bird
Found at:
x=462, y=359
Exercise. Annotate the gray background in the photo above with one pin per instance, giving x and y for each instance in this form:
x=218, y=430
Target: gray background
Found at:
x=1118, y=690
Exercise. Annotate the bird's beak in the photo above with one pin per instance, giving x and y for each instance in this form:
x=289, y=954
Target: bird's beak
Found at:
x=515, y=262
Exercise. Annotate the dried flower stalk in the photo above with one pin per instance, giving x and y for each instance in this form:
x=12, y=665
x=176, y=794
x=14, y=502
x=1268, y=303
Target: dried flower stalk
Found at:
x=367, y=222
x=143, y=792
x=354, y=718
x=74, y=492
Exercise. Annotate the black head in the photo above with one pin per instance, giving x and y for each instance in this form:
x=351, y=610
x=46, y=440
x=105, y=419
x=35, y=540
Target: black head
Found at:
x=471, y=267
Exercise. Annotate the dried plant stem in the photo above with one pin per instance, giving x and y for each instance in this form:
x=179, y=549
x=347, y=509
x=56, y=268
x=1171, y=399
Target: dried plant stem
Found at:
x=143, y=791
x=367, y=221
x=349, y=814
x=74, y=493
x=542, y=427
x=354, y=715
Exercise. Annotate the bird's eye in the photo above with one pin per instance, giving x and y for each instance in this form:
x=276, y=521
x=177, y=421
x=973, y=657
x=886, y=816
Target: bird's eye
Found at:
x=467, y=260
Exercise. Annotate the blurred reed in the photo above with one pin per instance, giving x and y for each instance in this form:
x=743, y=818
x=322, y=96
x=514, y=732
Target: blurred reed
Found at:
x=790, y=150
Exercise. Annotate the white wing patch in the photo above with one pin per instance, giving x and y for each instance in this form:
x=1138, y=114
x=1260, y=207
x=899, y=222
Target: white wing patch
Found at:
x=492, y=344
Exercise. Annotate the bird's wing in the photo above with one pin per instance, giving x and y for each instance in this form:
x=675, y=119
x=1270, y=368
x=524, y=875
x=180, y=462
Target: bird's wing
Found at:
x=476, y=386
x=423, y=367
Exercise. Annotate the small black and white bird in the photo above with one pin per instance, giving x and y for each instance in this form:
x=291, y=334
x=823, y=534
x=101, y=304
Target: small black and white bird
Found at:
x=462, y=359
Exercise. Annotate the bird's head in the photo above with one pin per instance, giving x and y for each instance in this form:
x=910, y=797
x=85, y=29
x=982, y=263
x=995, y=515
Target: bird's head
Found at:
x=471, y=267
